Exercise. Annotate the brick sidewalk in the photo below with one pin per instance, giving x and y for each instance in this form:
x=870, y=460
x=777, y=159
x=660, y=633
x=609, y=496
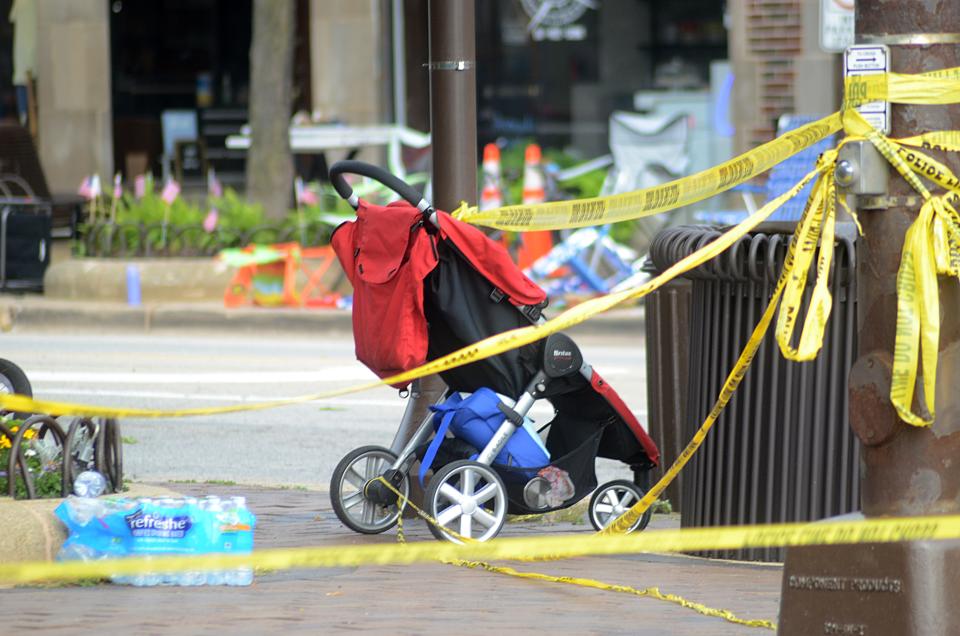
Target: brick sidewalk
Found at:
x=418, y=599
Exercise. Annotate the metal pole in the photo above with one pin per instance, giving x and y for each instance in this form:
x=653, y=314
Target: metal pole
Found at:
x=453, y=129
x=399, y=65
x=453, y=102
x=903, y=468
x=904, y=588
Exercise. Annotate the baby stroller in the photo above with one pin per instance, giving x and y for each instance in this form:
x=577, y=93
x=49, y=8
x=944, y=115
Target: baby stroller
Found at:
x=426, y=285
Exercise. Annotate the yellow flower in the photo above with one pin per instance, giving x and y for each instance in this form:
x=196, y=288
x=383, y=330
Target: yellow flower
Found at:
x=4, y=442
x=29, y=434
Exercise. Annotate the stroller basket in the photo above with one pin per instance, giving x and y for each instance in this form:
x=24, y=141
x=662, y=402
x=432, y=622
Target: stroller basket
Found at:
x=425, y=286
x=560, y=484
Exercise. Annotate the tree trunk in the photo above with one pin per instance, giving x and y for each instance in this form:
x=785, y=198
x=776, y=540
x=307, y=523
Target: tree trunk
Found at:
x=269, y=163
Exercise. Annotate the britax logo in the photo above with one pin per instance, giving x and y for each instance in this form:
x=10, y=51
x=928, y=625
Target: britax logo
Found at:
x=152, y=525
x=559, y=353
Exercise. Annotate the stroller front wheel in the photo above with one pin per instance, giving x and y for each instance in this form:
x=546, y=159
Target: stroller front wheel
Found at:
x=359, y=499
x=466, y=498
x=614, y=498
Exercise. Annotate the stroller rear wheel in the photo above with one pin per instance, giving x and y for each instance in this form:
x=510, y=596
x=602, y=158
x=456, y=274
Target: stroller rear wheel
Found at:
x=468, y=498
x=361, y=501
x=614, y=498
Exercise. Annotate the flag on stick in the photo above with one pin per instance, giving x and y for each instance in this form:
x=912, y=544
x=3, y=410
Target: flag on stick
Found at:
x=139, y=186
x=214, y=187
x=305, y=196
x=171, y=190
x=210, y=222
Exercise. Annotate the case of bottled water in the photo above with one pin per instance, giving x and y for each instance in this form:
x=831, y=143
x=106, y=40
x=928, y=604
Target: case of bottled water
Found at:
x=113, y=527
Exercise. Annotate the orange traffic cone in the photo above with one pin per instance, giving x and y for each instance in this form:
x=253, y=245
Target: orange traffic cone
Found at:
x=491, y=195
x=533, y=244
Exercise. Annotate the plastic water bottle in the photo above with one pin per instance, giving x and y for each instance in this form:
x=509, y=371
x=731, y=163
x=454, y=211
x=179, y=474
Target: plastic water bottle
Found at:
x=143, y=579
x=82, y=510
x=147, y=579
x=89, y=483
x=229, y=520
x=78, y=552
x=193, y=577
x=243, y=542
x=148, y=527
x=214, y=507
x=170, y=506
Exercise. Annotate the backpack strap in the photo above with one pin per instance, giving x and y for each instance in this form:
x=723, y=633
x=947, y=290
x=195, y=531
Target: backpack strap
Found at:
x=431, y=453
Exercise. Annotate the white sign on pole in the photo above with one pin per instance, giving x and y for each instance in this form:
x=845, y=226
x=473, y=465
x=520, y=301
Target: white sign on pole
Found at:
x=870, y=59
x=836, y=25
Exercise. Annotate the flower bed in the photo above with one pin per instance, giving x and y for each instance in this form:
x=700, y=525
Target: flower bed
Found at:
x=137, y=239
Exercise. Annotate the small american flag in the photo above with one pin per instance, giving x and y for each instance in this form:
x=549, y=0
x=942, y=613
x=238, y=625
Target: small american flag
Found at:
x=95, y=188
x=84, y=189
x=214, y=187
x=90, y=188
x=139, y=186
x=305, y=196
x=210, y=222
x=171, y=190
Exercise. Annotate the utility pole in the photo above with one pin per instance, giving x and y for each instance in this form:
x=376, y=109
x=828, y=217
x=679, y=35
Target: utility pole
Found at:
x=904, y=588
x=453, y=130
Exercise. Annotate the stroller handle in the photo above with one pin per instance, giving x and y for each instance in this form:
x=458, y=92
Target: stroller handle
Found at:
x=376, y=173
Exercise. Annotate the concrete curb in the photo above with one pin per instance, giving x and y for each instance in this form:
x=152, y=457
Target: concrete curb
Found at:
x=24, y=313
x=29, y=531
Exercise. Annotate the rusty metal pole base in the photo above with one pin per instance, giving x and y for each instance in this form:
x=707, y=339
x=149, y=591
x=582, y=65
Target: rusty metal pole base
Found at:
x=878, y=589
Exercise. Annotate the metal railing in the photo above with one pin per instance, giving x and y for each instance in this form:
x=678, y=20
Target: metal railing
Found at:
x=84, y=444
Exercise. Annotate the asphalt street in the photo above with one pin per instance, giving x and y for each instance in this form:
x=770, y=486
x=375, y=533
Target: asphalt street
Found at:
x=295, y=445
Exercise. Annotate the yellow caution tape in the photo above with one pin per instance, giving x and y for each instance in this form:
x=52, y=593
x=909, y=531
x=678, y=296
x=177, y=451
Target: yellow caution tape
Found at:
x=935, y=87
x=947, y=140
x=918, y=311
x=649, y=201
x=480, y=350
x=802, y=238
x=649, y=592
x=931, y=246
x=22, y=403
x=563, y=546
x=893, y=87
x=619, y=207
x=817, y=218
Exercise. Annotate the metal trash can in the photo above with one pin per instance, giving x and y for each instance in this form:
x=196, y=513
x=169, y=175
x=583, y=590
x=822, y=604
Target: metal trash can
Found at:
x=782, y=450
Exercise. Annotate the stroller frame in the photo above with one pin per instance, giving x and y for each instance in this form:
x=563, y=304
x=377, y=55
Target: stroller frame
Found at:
x=467, y=498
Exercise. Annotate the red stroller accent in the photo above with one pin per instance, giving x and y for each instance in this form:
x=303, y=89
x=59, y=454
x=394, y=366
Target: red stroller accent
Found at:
x=426, y=285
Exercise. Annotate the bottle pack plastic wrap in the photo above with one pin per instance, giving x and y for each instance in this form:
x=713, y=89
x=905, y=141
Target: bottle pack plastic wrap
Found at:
x=113, y=527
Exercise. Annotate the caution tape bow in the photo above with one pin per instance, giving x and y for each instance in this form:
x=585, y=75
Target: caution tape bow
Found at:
x=931, y=246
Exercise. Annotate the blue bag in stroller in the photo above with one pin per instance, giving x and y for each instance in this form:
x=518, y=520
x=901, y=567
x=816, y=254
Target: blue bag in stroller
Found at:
x=474, y=419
